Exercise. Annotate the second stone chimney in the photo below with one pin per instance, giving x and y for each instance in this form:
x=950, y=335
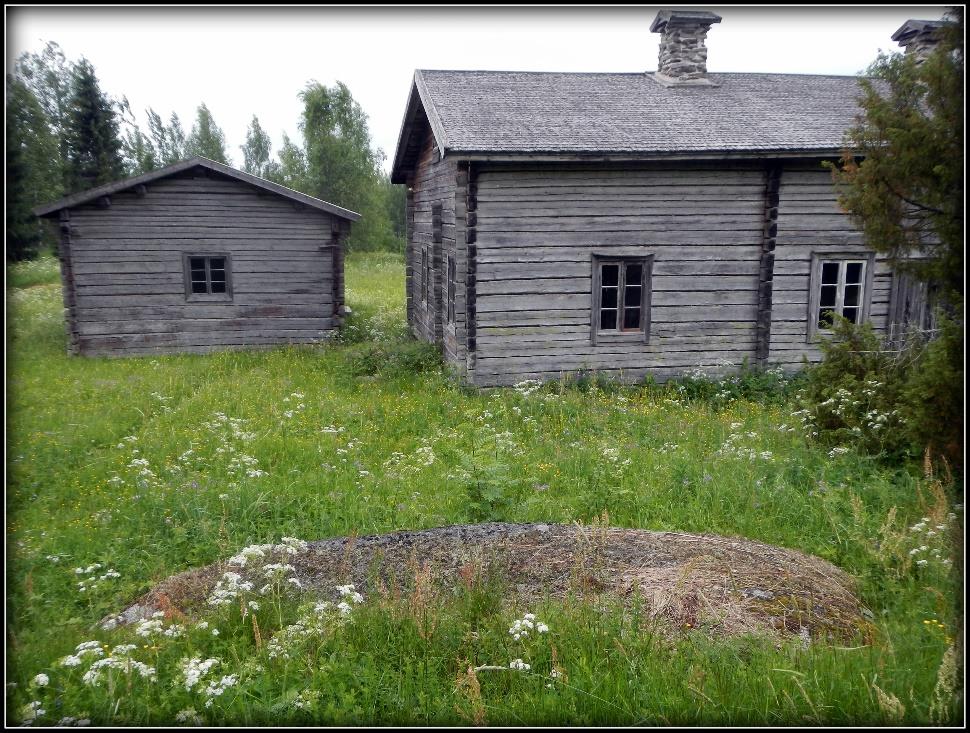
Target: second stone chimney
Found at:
x=919, y=37
x=683, y=55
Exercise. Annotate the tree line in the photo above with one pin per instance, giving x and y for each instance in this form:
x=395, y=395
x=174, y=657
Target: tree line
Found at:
x=65, y=134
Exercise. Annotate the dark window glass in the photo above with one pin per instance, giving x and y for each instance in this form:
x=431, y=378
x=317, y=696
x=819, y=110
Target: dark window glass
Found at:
x=631, y=296
x=451, y=289
x=424, y=275
x=853, y=272
x=607, y=319
x=850, y=314
x=197, y=263
x=218, y=287
x=828, y=295
x=851, y=295
x=634, y=274
x=199, y=287
x=609, y=298
x=611, y=275
x=830, y=273
x=631, y=319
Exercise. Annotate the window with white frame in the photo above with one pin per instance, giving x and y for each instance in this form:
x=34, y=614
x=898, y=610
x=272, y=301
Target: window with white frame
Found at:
x=840, y=285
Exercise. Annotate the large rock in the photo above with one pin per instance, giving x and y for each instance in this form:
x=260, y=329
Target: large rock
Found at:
x=726, y=585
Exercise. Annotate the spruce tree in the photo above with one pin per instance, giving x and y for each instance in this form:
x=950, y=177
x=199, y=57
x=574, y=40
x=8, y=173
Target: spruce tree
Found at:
x=93, y=144
x=23, y=233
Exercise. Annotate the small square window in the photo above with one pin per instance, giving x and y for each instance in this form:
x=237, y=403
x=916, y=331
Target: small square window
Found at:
x=207, y=277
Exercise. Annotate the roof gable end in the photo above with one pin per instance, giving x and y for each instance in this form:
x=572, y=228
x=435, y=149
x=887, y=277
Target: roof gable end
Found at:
x=92, y=194
x=420, y=110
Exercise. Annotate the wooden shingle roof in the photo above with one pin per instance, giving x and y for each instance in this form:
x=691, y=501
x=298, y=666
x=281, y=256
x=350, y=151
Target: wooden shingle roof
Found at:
x=107, y=189
x=513, y=112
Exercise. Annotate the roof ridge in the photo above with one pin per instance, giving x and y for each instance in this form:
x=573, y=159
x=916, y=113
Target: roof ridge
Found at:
x=633, y=73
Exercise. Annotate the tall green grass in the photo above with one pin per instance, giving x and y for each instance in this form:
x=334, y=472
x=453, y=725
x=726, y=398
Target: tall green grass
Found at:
x=127, y=463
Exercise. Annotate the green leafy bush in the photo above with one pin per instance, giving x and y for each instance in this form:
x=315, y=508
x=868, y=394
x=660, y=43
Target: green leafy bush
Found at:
x=895, y=403
x=771, y=385
x=394, y=357
x=932, y=397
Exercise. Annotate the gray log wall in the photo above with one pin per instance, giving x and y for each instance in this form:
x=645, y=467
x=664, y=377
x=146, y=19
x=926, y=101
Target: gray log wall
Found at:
x=810, y=220
x=731, y=243
x=434, y=183
x=538, y=229
x=127, y=279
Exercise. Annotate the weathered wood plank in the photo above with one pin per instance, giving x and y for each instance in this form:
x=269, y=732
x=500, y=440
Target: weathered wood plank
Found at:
x=177, y=325
x=205, y=310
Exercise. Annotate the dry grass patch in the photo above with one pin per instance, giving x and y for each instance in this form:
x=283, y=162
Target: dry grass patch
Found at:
x=724, y=585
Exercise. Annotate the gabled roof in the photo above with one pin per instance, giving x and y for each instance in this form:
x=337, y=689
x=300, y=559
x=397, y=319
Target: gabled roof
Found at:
x=109, y=188
x=517, y=112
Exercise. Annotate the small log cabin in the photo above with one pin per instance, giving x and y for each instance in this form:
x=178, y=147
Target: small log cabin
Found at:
x=198, y=257
x=633, y=224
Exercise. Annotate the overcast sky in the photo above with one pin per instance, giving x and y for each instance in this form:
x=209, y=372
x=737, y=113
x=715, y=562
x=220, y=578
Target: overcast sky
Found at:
x=245, y=61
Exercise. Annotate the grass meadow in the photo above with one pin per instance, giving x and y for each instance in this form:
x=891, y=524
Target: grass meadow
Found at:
x=121, y=472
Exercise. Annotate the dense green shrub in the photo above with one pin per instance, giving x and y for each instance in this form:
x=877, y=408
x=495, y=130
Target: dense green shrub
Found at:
x=932, y=397
x=389, y=358
x=895, y=403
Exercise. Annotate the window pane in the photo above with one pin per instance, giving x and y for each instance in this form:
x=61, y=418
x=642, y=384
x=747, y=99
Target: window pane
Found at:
x=199, y=287
x=217, y=263
x=608, y=320
x=853, y=272
x=611, y=275
x=828, y=295
x=631, y=296
x=609, y=298
x=851, y=295
x=217, y=275
x=830, y=273
x=218, y=287
x=197, y=263
x=634, y=274
x=825, y=318
x=851, y=314
x=198, y=275
x=631, y=319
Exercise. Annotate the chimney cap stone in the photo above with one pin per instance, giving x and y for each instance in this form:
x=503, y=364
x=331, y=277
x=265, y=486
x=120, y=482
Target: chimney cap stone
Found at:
x=683, y=17
x=912, y=28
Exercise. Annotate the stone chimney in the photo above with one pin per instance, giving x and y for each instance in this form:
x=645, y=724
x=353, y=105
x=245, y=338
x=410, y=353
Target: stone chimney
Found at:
x=683, y=55
x=919, y=37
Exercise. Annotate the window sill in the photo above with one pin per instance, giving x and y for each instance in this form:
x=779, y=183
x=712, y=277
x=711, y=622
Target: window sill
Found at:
x=619, y=337
x=206, y=298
